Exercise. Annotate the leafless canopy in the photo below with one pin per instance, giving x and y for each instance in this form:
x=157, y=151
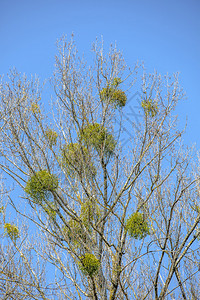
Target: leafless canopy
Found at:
x=97, y=213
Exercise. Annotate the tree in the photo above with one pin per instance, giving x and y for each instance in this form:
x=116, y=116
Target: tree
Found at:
x=114, y=221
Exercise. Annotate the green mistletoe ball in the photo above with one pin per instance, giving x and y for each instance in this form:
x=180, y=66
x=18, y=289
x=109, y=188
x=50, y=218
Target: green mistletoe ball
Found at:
x=97, y=136
x=136, y=226
x=76, y=159
x=41, y=185
x=89, y=264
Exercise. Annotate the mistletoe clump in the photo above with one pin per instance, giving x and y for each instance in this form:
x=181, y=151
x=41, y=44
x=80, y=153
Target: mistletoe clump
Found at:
x=50, y=210
x=89, y=212
x=89, y=264
x=114, y=95
x=136, y=226
x=51, y=137
x=74, y=233
x=150, y=107
x=41, y=185
x=11, y=230
x=116, y=81
x=35, y=108
x=76, y=158
x=97, y=136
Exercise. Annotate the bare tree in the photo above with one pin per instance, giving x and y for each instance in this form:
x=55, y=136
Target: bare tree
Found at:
x=113, y=221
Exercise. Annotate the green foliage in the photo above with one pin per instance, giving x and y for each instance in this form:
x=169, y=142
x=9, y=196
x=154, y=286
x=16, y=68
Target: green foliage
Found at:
x=116, y=81
x=136, y=226
x=40, y=185
x=50, y=210
x=197, y=209
x=74, y=233
x=35, y=109
x=1, y=209
x=89, y=212
x=76, y=158
x=89, y=264
x=114, y=95
x=97, y=136
x=11, y=230
x=150, y=107
x=51, y=137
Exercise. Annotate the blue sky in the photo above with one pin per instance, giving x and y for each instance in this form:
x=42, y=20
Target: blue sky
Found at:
x=163, y=34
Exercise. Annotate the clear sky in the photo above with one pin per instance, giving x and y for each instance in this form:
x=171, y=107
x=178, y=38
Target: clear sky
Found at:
x=165, y=34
